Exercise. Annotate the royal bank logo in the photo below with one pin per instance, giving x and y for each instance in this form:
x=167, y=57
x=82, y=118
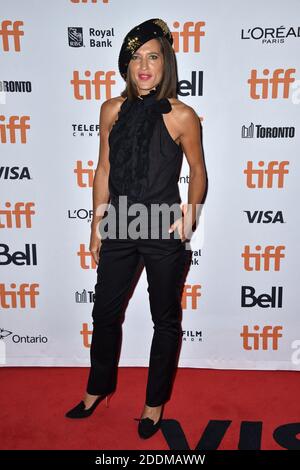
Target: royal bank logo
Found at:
x=75, y=36
x=259, y=131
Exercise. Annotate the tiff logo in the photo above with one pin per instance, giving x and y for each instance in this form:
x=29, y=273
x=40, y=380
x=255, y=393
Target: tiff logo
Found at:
x=270, y=85
x=12, y=218
x=92, y=86
x=8, y=130
x=12, y=298
x=11, y=29
x=191, y=292
x=262, y=258
x=256, y=341
x=84, y=176
x=189, y=31
x=264, y=177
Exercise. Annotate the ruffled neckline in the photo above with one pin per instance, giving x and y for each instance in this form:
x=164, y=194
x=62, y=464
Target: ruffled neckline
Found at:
x=148, y=95
x=149, y=101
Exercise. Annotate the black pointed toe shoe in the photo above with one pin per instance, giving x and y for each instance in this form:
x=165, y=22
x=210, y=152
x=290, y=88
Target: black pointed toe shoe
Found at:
x=147, y=428
x=79, y=411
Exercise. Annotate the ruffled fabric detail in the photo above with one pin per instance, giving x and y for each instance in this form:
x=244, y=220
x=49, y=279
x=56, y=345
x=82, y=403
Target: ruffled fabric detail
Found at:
x=129, y=142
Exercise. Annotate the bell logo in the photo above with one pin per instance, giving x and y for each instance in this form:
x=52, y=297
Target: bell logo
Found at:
x=256, y=341
x=9, y=28
x=271, y=84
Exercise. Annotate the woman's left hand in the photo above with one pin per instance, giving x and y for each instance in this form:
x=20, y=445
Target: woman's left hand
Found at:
x=183, y=224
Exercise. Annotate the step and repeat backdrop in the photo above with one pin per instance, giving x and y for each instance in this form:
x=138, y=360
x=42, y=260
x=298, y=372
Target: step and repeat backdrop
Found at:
x=239, y=68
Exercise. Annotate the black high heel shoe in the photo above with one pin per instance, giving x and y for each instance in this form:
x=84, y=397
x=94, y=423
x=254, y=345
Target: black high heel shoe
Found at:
x=147, y=428
x=79, y=411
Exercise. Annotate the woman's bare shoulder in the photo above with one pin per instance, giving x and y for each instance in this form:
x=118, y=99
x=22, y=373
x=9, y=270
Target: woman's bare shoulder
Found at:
x=180, y=106
x=182, y=112
x=110, y=109
x=113, y=103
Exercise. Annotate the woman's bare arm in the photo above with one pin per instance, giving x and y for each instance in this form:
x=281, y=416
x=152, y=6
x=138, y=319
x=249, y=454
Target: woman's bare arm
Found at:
x=101, y=197
x=108, y=111
x=190, y=139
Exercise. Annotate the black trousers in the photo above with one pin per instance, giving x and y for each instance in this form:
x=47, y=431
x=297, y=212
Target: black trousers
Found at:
x=120, y=263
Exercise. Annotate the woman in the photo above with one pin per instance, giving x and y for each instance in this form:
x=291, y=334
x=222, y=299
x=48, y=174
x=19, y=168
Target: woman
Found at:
x=143, y=134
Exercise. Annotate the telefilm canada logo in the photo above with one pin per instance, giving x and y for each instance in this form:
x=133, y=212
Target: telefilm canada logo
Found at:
x=85, y=129
x=192, y=336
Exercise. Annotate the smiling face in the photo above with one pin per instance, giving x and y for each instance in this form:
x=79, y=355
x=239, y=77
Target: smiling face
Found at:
x=146, y=66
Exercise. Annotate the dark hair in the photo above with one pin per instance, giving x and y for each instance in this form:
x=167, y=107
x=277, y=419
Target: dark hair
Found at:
x=168, y=84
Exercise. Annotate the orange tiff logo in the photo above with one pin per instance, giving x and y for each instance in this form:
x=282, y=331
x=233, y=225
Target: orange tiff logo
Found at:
x=263, y=177
x=23, y=296
x=8, y=132
x=263, y=88
x=92, y=86
x=191, y=292
x=255, y=340
x=11, y=29
x=189, y=31
x=15, y=216
x=259, y=259
x=86, y=259
x=84, y=176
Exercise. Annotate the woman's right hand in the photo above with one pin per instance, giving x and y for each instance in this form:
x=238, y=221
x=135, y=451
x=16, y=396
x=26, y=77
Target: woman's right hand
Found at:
x=95, y=243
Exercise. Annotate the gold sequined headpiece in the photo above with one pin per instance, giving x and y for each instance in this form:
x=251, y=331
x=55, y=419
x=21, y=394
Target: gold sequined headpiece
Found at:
x=137, y=36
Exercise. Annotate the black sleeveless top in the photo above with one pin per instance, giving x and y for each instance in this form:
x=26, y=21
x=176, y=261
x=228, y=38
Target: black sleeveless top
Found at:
x=145, y=161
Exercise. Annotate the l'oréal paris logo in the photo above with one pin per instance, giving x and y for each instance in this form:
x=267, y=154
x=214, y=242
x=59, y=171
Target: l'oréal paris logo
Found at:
x=271, y=34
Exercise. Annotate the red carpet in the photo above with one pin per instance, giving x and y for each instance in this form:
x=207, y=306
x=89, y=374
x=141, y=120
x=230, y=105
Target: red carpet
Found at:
x=34, y=400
